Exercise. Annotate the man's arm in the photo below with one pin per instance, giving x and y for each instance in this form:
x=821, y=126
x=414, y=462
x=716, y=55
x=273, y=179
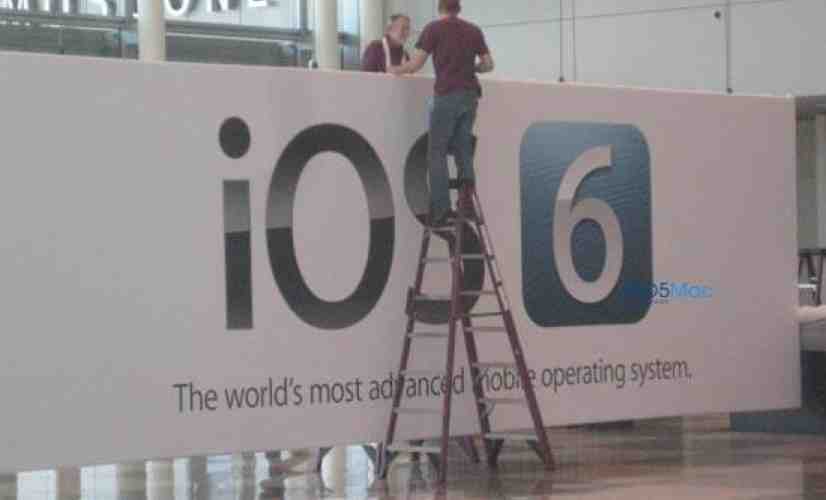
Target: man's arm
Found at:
x=485, y=64
x=412, y=66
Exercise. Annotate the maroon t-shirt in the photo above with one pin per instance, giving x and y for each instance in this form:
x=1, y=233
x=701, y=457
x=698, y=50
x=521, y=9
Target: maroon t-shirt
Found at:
x=374, y=59
x=454, y=44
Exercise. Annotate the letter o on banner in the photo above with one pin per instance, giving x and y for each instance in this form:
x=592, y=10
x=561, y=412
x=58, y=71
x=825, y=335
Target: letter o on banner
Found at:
x=280, y=239
x=178, y=7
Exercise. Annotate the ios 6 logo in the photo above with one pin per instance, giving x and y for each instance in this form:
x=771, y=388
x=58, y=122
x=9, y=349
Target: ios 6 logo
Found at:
x=235, y=140
x=586, y=223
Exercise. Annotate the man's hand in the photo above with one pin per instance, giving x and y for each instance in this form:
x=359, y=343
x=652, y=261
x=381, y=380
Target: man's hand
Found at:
x=396, y=70
x=411, y=66
x=486, y=64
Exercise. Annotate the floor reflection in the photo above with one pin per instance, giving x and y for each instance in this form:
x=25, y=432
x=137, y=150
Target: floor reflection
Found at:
x=622, y=464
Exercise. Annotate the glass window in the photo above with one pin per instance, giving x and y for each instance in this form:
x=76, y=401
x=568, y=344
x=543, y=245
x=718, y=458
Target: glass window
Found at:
x=260, y=32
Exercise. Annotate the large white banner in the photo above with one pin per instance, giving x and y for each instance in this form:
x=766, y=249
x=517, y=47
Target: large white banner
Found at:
x=202, y=259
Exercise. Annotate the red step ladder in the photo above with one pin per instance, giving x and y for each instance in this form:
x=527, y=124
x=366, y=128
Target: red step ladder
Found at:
x=468, y=216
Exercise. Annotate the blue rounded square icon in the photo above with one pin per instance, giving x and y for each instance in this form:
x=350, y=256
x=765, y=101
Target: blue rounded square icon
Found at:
x=586, y=223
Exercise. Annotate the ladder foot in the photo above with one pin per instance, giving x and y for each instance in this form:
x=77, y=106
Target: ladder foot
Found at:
x=416, y=456
x=495, y=450
x=372, y=453
x=383, y=461
x=469, y=447
x=435, y=460
x=547, y=460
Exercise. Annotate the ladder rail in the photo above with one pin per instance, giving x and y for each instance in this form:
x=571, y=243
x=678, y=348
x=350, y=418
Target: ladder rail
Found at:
x=478, y=387
x=486, y=242
x=456, y=310
x=405, y=355
x=516, y=346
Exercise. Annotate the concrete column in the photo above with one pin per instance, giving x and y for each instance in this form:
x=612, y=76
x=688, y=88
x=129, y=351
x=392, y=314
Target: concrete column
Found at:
x=326, y=34
x=151, y=30
x=8, y=486
x=160, y=480
x=807, y=230
x=198, y=478
x=334, y=469
x=67, y=483
x=131, y=481
x=371, y=18
x=243, y=474
x=820, y=176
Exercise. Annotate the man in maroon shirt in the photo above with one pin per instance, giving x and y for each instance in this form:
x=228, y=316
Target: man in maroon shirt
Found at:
x=390, y=46
x=459, y=52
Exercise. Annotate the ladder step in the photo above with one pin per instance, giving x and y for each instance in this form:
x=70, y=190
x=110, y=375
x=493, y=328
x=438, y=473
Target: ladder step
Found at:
x=478, y=293
x=398, y=448
x=427, y=335
x=806, y=286
x=433, y=297
x=510, y=436
x=431, y=260
x=466, y=256
x=418, y=411
x=423, y=373
x=503, y=401
x=473, y=293
x=494, y=365
x=448, y=228
x=486, y=329
x=482, y=315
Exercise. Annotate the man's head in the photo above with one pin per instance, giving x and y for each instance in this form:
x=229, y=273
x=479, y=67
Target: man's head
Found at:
x=449, y=7
x=399, y=28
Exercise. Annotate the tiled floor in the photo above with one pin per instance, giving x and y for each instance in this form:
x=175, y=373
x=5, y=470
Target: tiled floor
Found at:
x=646, y=463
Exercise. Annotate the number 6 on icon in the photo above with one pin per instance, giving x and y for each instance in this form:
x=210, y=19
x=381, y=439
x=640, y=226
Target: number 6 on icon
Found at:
x=567, y=215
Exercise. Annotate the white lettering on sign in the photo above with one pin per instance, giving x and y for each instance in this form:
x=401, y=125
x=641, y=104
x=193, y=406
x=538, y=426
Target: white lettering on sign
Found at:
x=46, y=5
x=184, y=6
x=223, y=5
x=10, y=4
x=104, y=8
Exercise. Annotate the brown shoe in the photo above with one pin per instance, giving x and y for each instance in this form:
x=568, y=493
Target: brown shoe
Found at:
x=444, y=221
x=465, y=204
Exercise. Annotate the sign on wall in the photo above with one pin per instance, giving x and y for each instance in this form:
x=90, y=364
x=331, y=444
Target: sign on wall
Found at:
x=201, y=259
x=173, y=8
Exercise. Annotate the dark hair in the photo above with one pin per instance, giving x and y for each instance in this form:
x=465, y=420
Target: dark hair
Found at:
x=396, y=17
x=393, y=19
x=450, y=6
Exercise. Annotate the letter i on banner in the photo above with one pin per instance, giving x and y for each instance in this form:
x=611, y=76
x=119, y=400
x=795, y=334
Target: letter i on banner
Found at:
x=235, y=141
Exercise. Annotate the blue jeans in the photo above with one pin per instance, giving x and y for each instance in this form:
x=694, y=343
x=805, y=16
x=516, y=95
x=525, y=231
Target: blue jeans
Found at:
x=451, y=131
